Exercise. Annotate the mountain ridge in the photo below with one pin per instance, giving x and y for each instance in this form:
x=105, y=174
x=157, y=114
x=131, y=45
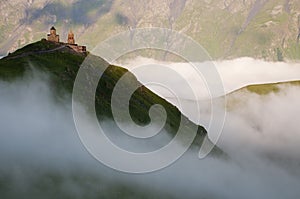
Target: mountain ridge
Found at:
x=62, y=63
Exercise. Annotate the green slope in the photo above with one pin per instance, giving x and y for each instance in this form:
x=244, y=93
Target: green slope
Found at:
x=62, y=64
x=265, y=89
x=239, y=98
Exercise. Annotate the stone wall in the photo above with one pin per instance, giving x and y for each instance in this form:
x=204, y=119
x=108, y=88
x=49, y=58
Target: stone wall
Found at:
x=53, y=37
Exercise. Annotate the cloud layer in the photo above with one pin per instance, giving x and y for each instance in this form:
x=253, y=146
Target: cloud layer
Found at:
x=235, y=74
x=42, y=156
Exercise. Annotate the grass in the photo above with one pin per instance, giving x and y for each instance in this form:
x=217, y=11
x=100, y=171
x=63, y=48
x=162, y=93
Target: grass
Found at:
x=35, y=47
x=62, y=66
x=239, y=97
x=264, y=89
x=293, y=52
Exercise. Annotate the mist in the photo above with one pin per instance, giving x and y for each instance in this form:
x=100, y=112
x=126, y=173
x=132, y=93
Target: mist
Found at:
x=42, y=156
x=235, y=74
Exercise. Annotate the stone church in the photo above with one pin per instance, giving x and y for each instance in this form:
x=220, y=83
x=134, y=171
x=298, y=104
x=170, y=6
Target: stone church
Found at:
x=53, y=37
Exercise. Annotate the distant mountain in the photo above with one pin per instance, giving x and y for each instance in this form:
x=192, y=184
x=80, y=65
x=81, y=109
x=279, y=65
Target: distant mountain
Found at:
x=266, y=29
x=62, y=63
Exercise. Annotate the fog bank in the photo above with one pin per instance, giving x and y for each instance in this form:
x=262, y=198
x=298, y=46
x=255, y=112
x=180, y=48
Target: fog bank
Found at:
x=235, y=74
x=42, y=156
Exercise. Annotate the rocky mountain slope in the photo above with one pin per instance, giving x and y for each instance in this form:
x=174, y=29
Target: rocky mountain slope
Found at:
x=265, y=29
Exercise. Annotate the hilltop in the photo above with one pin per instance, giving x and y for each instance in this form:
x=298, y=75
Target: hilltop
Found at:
x=62, y=63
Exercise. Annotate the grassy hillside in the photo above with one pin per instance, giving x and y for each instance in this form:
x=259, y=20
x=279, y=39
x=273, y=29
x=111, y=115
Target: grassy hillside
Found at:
x=265, y=89
x=62, y=64
x=239, y=98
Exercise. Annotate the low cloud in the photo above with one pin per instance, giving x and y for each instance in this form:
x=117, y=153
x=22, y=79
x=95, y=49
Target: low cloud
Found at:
x=42, y=156
x=235, y=74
